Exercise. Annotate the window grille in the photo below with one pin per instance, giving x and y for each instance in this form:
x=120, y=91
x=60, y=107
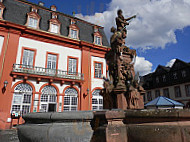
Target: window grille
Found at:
x=28, y=56
x=166, y=93
x=48, y=96
x=149, y=96
x=72, y=66
x=73, y=33
x=177, y=91
x=54, y=28
x=71, y=100
x=22, y=98
x=97, y=100
x=183, y=73
x=33, y=22
x=98, y=70
x=98, y=40
x=187, y=89
x=164, y=78
x=157, y=93
x=51, y=64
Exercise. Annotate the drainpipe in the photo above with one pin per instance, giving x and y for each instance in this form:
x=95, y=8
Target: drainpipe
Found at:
x=2, y=66
x=89, y=81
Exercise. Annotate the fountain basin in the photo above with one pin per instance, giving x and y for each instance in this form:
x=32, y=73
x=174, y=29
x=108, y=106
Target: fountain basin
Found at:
x=107, y=126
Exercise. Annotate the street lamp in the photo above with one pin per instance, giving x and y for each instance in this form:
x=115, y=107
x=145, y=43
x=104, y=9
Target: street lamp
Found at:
x=87, y=91
x=5, y=83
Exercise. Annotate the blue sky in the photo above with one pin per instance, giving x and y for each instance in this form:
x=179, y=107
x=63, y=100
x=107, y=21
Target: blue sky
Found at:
x=180, y=50
x=86, y=7
x=160, y=33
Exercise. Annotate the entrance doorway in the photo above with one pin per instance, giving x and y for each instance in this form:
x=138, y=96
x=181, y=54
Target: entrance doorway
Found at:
x=52, y=108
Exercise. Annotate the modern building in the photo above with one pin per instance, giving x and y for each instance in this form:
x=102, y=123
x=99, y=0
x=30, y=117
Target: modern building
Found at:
x=49, y=61
x=171, y=82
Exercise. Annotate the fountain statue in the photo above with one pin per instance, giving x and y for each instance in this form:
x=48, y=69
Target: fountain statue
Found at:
x=123, y=84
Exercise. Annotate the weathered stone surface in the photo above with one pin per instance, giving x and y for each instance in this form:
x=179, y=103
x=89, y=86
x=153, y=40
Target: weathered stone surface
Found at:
x=70, y=132
x=108, y=126
x=34, y=132
x=115, y=114
x=154, y=113
x=157, y=133
x=116, y=132
x=37, y=117
x=185, y=113
x=75, y=115
x=9, y=136
x=56, y=132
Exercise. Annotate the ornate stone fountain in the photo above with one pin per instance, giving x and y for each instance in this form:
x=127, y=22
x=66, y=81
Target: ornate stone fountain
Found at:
x=128, y=123
x=122, y=89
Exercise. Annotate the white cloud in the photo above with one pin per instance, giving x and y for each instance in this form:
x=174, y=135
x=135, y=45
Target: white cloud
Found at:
x=156, y=22
x=170, y=63
x=142, y=66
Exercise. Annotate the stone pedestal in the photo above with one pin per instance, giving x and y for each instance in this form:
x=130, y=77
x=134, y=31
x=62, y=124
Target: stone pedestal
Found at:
x=121, y=102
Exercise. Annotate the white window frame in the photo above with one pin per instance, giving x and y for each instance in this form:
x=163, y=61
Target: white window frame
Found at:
x=48, y=96
x=97, y=100
x=98, y=70
x=71, y=95
x=97, y=40
x=74, y=33
x=51, y=63
x=28, y=58
x=72, y=66
x=22, y=90
x=54, y=28
x=33, y=22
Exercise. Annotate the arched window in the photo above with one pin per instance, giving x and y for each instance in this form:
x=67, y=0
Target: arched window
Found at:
x=22, y=98
x=48, y=99
x=70, y=99
x=97, y=100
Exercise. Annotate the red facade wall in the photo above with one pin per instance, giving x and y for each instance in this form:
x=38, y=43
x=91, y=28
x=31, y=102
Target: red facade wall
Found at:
x=8, y=58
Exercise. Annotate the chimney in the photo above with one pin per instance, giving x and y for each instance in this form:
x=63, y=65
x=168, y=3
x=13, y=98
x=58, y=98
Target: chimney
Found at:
x=53, y=8
x=73, y=13
x=40, y=3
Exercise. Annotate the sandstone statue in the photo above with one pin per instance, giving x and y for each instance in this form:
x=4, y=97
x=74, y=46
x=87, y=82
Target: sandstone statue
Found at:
x=122, y=90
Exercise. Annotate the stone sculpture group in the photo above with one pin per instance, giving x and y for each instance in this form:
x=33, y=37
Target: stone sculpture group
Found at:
x=122, y=89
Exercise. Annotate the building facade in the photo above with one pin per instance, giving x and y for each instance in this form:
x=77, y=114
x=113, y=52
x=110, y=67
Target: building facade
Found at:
x=49, y=61
x=172, y=82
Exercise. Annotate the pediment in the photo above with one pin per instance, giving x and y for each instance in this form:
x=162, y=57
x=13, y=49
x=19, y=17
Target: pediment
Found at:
x=55, y=20
x=34, y=14
x=178, y=64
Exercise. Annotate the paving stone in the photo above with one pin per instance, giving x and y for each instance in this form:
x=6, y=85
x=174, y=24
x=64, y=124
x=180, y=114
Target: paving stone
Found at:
x=9, y=136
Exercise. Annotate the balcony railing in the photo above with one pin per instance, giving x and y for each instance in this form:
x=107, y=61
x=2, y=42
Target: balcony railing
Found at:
x=46, y=72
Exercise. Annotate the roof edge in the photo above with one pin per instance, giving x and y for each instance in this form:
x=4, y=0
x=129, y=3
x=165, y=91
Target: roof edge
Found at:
x=48, y=9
